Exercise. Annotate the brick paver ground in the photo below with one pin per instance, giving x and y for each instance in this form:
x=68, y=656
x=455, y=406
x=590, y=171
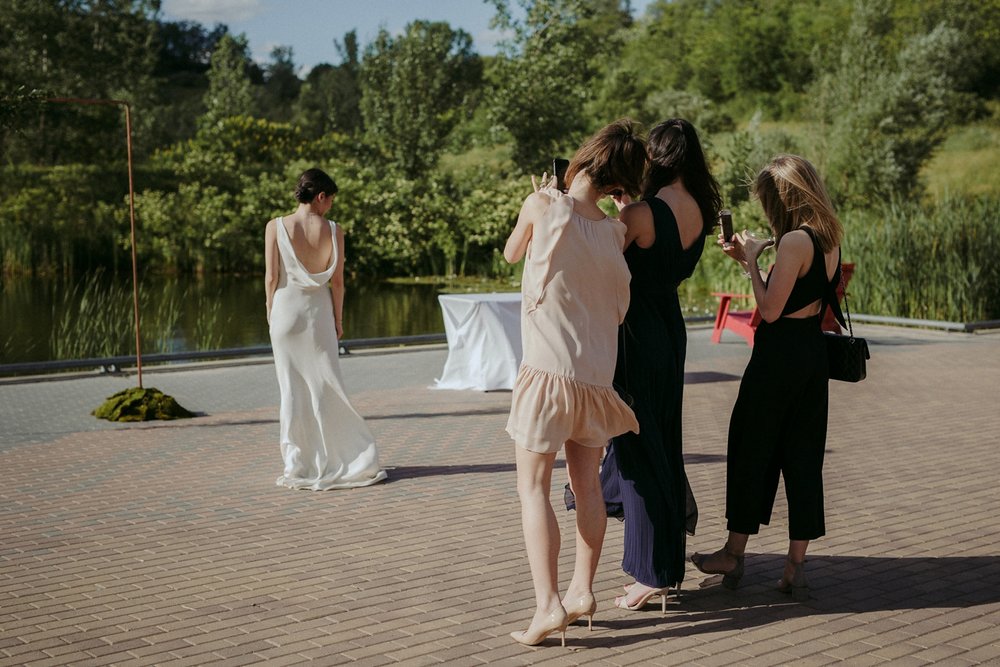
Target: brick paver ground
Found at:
x=169, y=544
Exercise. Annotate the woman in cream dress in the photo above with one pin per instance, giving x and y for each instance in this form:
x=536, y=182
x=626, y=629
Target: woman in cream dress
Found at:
x=575, y=292
x=325, y=443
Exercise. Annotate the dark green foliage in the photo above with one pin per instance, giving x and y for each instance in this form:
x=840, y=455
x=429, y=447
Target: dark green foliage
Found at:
x=413, y=92
x=184, y=52
x=137, y=405
x=74, y=48
x=277, y=96
x=884, y=116
x=229, y=91
x=540, y=85
x=330, y=97
x=432, y=144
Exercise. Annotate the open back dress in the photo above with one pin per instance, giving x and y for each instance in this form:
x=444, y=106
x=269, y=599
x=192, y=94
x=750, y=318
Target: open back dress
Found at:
x=325, y=443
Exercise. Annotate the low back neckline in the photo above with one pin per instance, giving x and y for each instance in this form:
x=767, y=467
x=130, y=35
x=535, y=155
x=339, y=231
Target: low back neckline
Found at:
x=291, y=248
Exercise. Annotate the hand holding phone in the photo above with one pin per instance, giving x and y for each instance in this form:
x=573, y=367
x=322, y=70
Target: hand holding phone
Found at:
x=726, y=221
x=559, y=166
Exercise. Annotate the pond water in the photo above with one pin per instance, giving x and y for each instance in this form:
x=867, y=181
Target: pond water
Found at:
x=180, y=313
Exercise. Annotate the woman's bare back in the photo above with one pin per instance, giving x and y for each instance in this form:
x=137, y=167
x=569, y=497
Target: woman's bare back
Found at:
x=312, y=241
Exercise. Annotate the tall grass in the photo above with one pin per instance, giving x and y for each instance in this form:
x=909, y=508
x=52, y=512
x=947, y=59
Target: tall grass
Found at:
x=938, y=261
x=94, y=318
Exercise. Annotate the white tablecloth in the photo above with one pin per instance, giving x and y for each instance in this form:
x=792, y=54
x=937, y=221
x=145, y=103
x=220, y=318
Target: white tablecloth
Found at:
x=484, y=340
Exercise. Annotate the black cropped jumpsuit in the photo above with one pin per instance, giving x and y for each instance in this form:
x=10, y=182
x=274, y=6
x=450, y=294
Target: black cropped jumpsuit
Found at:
x=778, y=425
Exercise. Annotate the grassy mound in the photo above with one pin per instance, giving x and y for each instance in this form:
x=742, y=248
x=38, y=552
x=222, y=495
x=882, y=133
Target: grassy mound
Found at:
x=136, y=405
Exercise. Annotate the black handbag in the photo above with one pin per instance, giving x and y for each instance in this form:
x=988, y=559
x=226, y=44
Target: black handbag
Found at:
x=847, y=354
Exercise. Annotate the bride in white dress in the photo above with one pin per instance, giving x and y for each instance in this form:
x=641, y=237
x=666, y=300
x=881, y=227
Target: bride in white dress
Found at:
x=325, y=443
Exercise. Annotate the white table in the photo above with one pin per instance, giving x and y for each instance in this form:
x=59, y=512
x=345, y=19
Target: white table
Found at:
x=484, y=340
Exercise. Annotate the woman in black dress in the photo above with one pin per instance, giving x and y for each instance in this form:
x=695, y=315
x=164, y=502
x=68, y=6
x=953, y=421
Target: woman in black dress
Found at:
x=779, y=420
x=643, y=474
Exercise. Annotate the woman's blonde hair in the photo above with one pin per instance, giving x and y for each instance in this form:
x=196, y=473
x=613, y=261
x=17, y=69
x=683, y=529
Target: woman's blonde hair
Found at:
x=615, y=157
x=792, y=195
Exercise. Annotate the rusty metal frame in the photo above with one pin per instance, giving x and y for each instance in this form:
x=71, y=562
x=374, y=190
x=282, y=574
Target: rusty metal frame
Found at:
x=131, y=208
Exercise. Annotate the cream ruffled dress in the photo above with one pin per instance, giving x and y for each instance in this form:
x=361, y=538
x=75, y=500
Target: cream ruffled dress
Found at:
x=575, y=292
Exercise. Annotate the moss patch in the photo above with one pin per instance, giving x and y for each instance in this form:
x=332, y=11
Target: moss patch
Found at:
x=136, y=405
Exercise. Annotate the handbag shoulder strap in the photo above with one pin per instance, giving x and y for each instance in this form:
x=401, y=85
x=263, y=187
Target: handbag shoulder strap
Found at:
x=834, y=302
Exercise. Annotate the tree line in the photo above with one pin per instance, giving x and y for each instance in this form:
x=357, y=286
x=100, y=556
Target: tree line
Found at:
x=429, y=141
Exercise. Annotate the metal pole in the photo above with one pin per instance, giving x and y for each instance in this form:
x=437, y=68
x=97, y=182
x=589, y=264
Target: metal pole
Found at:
x=135, y=264
x=131, y=210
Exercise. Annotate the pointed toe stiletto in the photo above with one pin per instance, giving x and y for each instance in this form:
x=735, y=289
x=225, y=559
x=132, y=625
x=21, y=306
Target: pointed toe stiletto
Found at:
x=585, y=605
x=731, y=577
x=622, y=601
x=555, y=622
x=796, y=586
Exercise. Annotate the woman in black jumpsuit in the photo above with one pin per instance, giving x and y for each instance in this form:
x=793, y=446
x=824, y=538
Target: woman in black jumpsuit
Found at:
x=778, y=425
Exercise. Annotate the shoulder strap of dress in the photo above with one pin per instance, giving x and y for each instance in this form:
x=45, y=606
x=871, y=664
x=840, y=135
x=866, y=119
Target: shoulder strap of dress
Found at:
x=662, y=213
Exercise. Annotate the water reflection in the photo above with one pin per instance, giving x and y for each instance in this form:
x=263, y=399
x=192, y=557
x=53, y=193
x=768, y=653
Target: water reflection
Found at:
x=232, y=306
x=205, y=312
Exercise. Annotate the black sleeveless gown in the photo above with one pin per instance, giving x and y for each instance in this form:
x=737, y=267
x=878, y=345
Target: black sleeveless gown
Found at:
x=643, y=474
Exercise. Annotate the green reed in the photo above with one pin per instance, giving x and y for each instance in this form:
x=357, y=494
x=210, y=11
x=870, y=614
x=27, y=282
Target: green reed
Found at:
x=94, y=318
x=207, y=330
x=935, y=261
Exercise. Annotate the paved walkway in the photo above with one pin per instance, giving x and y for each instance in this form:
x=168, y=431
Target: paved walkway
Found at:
x=168, y=543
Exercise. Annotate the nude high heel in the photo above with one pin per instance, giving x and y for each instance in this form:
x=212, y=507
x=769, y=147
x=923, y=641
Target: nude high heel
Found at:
x=797, y=586
x=556, y=622
x=622, y=602
x=585, y=605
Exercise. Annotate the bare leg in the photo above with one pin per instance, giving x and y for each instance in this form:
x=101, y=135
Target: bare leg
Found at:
x=541, y=530
x=737, y=543
x=793, y=578
x=583, y=464
x=796, y=555
x=725, y=559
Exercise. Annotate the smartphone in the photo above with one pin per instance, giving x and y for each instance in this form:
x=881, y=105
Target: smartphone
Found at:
x=726, y=220
x=559, y=166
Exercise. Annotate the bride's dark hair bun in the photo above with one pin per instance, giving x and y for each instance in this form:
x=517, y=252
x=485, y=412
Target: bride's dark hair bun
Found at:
x=311, y=183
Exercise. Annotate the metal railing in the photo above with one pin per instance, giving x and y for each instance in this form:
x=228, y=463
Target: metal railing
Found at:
x=115, y=364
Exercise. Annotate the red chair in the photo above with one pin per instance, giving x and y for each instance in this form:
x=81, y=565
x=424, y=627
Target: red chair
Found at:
x=744, y=322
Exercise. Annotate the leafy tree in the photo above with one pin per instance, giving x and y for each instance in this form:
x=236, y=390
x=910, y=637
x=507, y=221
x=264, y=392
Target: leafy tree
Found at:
x=744, y=54
x=281, y=86
x=883, y=119
x=183, y=55
x=330, y=98
x=541, y=83
x=745, y=152
x=74, y=48
x=229, y=92
x=979, y=22
x=413, y=91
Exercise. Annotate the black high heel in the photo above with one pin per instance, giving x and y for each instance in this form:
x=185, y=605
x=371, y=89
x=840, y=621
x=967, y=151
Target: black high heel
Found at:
x=731, y=577
x=797, y=586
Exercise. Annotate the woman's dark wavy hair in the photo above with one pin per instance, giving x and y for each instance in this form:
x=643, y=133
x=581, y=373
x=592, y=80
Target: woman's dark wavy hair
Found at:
x=675, y=152
x=311, y=183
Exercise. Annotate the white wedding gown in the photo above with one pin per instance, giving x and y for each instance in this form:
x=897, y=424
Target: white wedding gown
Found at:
x=324, y=441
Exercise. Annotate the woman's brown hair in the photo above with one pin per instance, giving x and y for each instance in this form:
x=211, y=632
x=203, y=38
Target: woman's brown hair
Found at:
x=615, y=157
x=793, y=195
